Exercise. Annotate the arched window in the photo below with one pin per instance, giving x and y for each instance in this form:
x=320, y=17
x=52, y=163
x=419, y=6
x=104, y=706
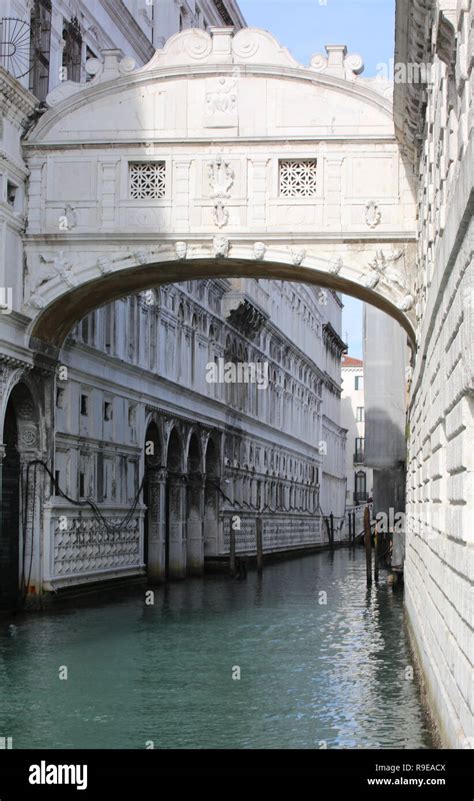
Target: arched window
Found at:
x=360, y=487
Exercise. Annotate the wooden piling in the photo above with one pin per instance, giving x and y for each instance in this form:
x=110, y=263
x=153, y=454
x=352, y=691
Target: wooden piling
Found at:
x=331, y=519
x=259, y=538
x=376, y=554
x=232, y=550
x=368, y=545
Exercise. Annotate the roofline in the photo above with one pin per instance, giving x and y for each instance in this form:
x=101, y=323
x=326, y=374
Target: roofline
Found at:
x=89, y=92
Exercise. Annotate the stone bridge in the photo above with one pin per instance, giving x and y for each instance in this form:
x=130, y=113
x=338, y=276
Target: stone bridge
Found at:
x=225, y=157
x=221, y=157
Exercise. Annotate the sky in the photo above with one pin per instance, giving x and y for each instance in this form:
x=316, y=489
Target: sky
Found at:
x=367, y=27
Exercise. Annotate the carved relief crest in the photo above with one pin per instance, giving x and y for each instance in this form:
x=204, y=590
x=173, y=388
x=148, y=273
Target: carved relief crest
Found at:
x=221, y=179
x=221, y=214
x=373, y=215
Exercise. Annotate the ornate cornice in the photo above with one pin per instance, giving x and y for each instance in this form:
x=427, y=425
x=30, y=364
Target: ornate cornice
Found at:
x=414, y=20
x=333, y=339
x=14, y=362
x=16, y=102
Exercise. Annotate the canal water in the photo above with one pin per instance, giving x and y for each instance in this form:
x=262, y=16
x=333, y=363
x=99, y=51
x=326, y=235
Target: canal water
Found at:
x=312, y=674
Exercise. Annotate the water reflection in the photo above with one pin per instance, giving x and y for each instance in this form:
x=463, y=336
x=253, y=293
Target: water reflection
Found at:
x=312, y=673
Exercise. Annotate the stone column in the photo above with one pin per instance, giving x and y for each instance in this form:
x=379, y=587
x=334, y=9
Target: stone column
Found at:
x=181, y=207
x=177, y=526
x=211, y=516
x=195, y=527
x=258, y=192
x=109, y=208
x=156, y=526
x=31, y=541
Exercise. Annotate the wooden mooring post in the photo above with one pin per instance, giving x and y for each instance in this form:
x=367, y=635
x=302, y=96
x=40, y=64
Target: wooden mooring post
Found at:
x=232, y=550
x=259, y=538
x=376, y=554
x=331, y=523
x=368, y=545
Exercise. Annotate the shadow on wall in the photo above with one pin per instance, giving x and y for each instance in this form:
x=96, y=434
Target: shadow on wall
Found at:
x=385, y=453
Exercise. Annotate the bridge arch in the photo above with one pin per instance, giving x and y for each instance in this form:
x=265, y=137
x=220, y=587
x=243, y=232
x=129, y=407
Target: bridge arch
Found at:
x=55, y=321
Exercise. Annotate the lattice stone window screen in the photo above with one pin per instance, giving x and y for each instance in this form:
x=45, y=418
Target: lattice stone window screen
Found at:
x=147, y=180
x=298, y=177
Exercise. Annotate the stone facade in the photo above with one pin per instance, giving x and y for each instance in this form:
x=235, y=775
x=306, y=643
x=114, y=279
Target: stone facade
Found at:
x=133, y=373
x=353, y=418
x=255, y=168
x=386, y=369
x=435, y=126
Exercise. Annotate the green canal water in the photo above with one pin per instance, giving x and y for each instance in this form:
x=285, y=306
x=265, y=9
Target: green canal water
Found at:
x=310, y=673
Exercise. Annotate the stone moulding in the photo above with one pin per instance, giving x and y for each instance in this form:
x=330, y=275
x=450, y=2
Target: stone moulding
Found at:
x=378, y=276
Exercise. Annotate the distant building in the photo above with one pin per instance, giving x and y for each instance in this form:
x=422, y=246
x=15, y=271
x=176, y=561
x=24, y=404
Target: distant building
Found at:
x=386, y=359
x=359, y=476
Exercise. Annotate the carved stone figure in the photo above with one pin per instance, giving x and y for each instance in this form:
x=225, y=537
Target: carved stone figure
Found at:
x=71, y=216
x=221, y=101
x=51, y=269
x=104, y=264
x=259, y=250
x=395, y=278
x=220, y=247
x=336, y=266
x=142, y=255
x=37, y=302
x=406, y=304
x=221, y=179
x=45, y=273
x=371, y=279
x=65, y=270
x=181, y=249
x=298, y=256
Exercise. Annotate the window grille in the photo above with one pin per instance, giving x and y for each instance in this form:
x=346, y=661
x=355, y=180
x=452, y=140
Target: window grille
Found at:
x=298, y=177
x=147, y=180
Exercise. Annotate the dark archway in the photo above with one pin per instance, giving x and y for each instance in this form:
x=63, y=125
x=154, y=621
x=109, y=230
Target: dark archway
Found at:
x=10, y=514
x=19, y=498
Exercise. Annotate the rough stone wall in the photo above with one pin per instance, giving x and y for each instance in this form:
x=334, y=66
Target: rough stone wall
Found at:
x=439, y=570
